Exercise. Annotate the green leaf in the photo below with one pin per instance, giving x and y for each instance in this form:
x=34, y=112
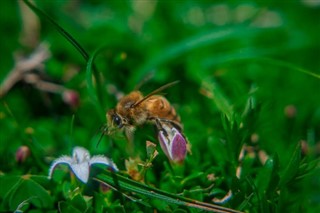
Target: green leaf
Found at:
x=7, y=184
x=195, y=192
x=191, y=177
x=141, y=189
x=293, y=166
x=79, y=202
x=24, y=189
x=217, y=191
x=268, y=177
x=66, y=207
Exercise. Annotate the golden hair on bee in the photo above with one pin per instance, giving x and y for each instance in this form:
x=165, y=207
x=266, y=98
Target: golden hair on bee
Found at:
x=134, y=110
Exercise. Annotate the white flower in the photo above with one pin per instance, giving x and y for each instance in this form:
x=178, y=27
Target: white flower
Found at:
x=80, y=163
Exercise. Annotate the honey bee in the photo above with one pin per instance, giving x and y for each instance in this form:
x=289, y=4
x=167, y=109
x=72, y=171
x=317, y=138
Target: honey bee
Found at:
x=135, y=110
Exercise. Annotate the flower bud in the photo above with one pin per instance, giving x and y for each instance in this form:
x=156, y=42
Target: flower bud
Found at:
x=71, y=98
x=22, y=154
x=173, y=144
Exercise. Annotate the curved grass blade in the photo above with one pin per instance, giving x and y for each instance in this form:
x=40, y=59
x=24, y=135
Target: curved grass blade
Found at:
x=197, y=41
x=218, y=97
x=131, y=198
x=142, y=189
x=292, y=167
x=64, y=33
x=82, y=51
x=287, y=65
x=95, y=93
x=89, y=73
x=251, y=183
x=251, y=55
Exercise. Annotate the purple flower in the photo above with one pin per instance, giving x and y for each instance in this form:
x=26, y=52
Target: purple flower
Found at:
x=173, y=143
x=22, y=154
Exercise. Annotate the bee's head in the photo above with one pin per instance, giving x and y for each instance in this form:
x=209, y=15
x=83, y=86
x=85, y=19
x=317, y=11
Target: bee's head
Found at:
x=114, y=122
x=114, y=119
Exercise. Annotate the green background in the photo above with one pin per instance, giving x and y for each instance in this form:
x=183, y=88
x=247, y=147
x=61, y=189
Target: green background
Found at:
x=249, y=73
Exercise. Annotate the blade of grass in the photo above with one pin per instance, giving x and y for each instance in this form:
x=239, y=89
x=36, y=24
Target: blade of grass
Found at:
x=81, y=50
x=287, y=65
x=71, y=125
x=131, y=198
x=251, y=183
x=196, y=41
x=292, y=168
x=139, y=188
x=64, y=33
x=251, y=55
x=91, y=71
x=70, y=136
x=220, y=100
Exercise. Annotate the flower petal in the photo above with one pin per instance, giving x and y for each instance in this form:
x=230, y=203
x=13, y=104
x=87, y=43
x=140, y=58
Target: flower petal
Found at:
x=174, y=144
x=100, y=159
x=164, y=143
x=178, y=147
x=80, y=154
x=62, y=160
x=81, y=171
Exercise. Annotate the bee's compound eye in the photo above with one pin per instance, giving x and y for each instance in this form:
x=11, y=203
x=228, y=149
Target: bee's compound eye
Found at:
x=117, y=121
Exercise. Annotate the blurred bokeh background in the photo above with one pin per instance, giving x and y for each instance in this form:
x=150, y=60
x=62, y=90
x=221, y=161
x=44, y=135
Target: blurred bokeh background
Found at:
x=251, y=65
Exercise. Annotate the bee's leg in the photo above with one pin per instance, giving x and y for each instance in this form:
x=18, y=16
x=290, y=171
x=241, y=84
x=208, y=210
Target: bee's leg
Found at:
x=177, y=126
x=173, y=123
x=159, y=126
x=129, y=132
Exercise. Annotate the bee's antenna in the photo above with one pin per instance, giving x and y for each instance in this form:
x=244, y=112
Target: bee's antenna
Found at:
x=103, y=129
x=155, y=92
x=144, y=80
